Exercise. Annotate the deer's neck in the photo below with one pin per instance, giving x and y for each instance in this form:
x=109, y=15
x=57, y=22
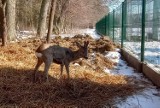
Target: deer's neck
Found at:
x=76, y=55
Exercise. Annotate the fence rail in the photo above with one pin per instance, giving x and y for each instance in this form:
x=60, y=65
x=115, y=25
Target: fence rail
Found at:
x=135, y=24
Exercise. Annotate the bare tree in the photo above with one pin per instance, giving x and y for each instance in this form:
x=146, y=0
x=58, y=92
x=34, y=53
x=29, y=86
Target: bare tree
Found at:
x=27, y=14
x=68, y=14
x=10, y=15
x=81, y=13
x=3, y=27
x=61, y=9
x=51, y=18
x=42, y=18
x=77, y=13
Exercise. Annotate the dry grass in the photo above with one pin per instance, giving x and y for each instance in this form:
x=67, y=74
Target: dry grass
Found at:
x=89, y=86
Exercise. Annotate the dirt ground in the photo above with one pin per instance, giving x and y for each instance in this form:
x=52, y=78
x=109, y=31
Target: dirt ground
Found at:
x=89, y=86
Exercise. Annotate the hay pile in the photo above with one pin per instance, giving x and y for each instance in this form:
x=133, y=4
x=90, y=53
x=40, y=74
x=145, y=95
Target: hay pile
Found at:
x=89, y=86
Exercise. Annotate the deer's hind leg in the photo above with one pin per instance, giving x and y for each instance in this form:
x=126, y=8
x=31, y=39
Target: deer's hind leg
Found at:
x=39, y=62
x=47, y=62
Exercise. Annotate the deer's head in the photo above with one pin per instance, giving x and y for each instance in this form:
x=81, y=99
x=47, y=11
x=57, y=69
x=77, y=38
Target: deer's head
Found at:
x=83, y=49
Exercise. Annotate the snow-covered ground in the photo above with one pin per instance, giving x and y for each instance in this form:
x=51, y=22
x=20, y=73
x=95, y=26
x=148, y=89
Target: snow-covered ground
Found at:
x=90, y=32
x=25, y=34
x=150, y=97
x=151, y=54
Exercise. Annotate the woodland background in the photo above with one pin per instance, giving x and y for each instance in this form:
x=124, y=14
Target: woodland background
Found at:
x=47, y=16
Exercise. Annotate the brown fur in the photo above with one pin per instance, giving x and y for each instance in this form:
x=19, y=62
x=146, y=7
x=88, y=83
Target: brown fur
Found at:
x=59, y=55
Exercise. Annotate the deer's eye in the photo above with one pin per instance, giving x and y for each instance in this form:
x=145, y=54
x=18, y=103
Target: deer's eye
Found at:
x=82, y=51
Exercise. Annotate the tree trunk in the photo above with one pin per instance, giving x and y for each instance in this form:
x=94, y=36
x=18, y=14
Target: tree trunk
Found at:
x=50, y=27
x=3, y=23
x=42, y=18
x=60, y=16
x=11, y=23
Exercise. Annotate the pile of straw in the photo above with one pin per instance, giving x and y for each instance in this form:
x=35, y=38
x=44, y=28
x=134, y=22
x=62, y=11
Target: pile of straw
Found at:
x=86, y=88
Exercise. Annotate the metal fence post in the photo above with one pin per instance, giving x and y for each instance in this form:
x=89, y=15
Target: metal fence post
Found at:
x=122, y=25
x=124, y=12
x=108, y=24
x=113, y=23
x=143, y=29
x=105, y=25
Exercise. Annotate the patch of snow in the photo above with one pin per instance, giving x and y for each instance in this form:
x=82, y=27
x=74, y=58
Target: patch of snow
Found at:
x=151, y=55
x=108, y=71
x=25, y=34
x=146, y=99
x=76, y=64
x=84, y=32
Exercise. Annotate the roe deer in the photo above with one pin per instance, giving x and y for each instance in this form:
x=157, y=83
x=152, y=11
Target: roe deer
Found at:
x=60, y=55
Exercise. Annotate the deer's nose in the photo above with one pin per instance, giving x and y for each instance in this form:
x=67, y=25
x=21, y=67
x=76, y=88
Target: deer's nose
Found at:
x=86, y=57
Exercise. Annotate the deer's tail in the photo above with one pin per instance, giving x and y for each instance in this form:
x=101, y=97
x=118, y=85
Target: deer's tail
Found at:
x=39, y=55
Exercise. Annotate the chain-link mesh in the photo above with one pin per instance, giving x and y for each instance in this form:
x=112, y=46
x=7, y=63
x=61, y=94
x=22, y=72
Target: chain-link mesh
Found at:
x=125, y=25
x=111, y=25
x=118, y=24
x=101, y=26
x=152, y=34
x=132, y=41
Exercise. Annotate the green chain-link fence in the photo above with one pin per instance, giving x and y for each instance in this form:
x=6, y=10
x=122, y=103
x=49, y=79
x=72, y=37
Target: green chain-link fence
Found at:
x=135, y=24
x=118, y=24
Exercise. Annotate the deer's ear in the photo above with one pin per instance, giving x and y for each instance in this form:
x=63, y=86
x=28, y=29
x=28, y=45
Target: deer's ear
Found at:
x=78, y=44
x=86, y=43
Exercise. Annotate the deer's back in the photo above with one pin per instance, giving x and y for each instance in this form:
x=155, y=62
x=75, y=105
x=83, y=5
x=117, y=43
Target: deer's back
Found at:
x=55, y=52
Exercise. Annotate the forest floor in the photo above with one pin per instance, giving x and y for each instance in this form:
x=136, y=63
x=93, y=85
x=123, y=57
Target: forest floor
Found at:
x=89, y=86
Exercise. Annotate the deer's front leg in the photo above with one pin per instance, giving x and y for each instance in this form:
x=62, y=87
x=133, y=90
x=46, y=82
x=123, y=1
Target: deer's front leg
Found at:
x=67, y=69
x=48, y=62
x=62, y=65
